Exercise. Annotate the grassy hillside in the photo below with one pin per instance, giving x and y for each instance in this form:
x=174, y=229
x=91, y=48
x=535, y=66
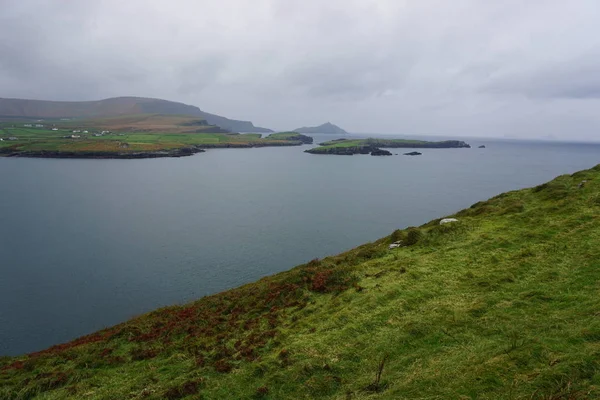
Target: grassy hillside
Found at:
x=116, y=106
x=159, y=123
x=503, y=304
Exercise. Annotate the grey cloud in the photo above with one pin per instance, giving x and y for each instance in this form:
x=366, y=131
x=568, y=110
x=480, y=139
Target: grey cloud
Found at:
x=352, y=78
x=433, y=66
x=575, y=79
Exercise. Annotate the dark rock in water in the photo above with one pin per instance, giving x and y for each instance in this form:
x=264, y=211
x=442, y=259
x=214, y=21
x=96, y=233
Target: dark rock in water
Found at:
x=482, y=146
x=413, y=153
x=302, y=138
x=380, y=152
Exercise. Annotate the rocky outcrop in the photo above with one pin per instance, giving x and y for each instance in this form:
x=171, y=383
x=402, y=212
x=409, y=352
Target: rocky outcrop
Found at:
x=380, y=152
x=448, y=221
x=413, y=153
x=342, y=151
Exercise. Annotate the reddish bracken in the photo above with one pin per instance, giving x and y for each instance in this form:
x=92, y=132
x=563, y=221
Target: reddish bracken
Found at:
x=216, y=330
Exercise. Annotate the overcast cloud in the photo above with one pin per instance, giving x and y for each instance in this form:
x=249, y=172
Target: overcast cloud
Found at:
x=461, y=67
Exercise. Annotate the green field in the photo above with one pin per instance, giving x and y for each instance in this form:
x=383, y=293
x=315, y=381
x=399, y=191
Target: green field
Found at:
x=32, y=140
x=503, y=304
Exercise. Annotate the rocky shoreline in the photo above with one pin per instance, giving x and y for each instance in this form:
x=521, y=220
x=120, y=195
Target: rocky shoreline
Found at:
x=130, y=155
x=183, y=152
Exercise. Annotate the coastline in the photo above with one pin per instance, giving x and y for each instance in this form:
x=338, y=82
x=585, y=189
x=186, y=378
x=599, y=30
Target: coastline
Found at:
x=175, y=153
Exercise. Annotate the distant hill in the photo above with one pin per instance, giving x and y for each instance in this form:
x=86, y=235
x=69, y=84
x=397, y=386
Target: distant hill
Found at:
x=325, y=128
x=116, y=106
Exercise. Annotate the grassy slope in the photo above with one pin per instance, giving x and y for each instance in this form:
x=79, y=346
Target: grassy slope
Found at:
x=33, y=139
x=501, y=305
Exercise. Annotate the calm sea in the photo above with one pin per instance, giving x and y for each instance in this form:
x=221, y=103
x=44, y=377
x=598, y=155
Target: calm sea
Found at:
x=85, y=244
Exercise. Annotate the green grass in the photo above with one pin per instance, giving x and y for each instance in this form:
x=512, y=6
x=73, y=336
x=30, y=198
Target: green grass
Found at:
x=344, y=143
x=503, y=304
x=38, y=140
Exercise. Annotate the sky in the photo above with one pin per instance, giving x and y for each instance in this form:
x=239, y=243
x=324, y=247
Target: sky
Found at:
x=505, y=68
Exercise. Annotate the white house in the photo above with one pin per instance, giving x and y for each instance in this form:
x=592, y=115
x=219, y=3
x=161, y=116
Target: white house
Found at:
x=54, y=129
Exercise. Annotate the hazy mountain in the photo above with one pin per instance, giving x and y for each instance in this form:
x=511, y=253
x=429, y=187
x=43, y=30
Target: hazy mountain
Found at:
x=114, y=107
x=327, y=127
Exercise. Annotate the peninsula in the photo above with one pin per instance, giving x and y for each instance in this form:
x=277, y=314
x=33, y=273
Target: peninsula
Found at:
x=369, y=146
x=497, y=301
x=128, y=136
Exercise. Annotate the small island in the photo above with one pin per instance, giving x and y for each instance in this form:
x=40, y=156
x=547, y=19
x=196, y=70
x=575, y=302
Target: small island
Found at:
x=371, y=145
x=413, y=153
x=327, y=127
x=291, y=136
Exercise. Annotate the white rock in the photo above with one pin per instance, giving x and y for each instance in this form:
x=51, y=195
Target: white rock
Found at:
x=394, y=245
x=448, y=220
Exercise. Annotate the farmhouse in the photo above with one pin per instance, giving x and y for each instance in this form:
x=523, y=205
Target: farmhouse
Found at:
x=27, y=125
x=54, y=129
